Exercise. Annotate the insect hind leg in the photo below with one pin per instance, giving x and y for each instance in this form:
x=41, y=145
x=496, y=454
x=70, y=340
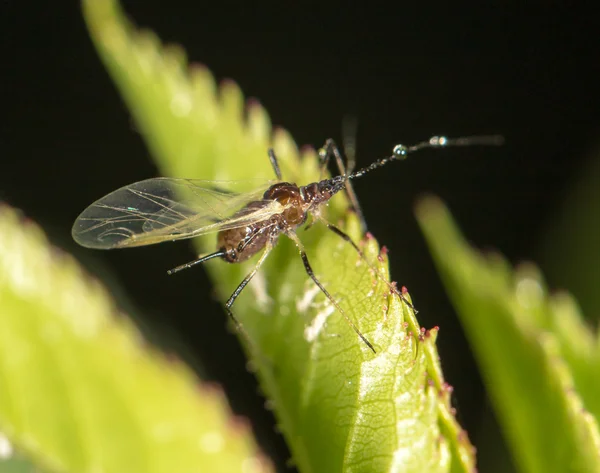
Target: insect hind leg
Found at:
x=202, y=259
x=238, y=291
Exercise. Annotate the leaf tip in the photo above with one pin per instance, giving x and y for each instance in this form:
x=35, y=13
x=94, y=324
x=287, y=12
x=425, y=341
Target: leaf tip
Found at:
x=430, y=206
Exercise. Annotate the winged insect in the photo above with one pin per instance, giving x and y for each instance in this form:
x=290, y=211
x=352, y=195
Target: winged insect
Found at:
x=168, y=209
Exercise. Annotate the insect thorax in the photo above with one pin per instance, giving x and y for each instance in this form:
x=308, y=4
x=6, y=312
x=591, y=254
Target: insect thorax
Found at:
x=290, y=197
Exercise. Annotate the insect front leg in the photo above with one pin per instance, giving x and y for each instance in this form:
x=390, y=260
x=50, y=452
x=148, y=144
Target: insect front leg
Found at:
x=339, y=232
x=330, y=149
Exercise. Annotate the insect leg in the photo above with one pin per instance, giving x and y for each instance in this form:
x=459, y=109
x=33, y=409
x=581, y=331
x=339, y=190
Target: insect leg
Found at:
x=274, y=163
x=311, y=274
x=331, y=149
x=202, y=259
x=349, y=126
x=241, y=287
x=347, y=238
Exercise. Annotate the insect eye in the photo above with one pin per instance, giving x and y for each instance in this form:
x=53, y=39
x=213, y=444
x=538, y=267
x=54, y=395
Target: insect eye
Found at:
x=400, y=151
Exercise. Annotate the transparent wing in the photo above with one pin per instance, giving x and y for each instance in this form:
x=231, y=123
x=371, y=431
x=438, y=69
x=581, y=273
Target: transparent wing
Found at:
x=162, y=209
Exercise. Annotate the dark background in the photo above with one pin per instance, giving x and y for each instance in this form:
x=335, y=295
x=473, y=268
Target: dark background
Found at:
x=406, y=73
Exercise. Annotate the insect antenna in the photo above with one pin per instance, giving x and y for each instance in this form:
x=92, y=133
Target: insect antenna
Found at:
x=202, y=259
x=400, y=152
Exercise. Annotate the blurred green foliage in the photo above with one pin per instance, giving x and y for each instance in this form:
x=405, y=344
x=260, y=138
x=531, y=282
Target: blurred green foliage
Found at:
x=539, y=360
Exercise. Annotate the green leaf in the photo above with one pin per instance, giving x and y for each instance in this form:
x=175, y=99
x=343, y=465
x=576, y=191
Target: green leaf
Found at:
x=79, y=390
x=11, y=463
x=340, y=407
x=538, y=359
x=569, y=246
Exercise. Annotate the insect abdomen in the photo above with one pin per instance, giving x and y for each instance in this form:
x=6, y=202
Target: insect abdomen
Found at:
x=242, y=243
